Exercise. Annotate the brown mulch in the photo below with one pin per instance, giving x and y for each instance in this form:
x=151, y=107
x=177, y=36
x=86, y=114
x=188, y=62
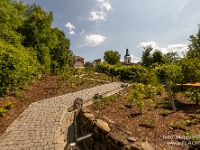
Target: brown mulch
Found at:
x=153, y=126
x=46, y=87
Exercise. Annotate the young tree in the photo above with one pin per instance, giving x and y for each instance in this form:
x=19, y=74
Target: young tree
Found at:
x=112, y=57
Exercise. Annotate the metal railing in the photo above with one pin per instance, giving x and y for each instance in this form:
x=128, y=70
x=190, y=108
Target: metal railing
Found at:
x=78, y=103
x=74, y=145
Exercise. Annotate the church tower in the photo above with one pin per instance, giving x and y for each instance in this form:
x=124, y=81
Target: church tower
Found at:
x=127, y=57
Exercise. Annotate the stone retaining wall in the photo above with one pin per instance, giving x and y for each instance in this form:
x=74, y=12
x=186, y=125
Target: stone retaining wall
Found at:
x=103, y=139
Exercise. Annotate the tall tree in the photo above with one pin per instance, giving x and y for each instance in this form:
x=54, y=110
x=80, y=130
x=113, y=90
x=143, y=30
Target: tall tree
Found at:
x=39, y=34
x=112, y=57
x=61, y=53
x=10, y=22
x=171, y=57
x=158, y=57
x=147, y=58
x=194, y=46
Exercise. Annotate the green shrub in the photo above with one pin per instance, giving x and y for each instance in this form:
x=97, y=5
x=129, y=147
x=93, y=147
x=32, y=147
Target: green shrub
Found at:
x=165, y=112
x=17, y=67
x=9, y=105
x=159, y=89
x=193, y=136
x=150, y=91
x=2, y=112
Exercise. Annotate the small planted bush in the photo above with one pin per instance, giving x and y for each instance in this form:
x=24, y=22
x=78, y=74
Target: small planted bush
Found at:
x=159, y=89
x=167, y=104
x=177, y=124
x=193, y=136
x=150, y=91
x=165, y=112
x=2, y=112
x=9, y=105
x=198, y=111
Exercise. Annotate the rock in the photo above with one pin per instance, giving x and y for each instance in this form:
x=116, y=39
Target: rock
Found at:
x=103, y=125
x=106, y=118
x=128, y=132
x=97, y=111
x=131, y=139
x=146, y=146
x=140, y=146
x=89, y=115
x=120, y=137
x=85, y=110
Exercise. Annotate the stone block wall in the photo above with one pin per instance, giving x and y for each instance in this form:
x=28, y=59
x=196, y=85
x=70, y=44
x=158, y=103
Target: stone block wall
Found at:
x=103, y=139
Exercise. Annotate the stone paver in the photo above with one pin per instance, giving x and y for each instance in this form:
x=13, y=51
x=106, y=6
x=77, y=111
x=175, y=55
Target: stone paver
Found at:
x=44, y=125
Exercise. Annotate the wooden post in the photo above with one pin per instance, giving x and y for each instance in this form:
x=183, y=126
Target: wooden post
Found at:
x=170, y=97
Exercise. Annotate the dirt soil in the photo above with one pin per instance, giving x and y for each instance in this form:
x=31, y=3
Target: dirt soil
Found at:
x=160, y=126
x=46, y=87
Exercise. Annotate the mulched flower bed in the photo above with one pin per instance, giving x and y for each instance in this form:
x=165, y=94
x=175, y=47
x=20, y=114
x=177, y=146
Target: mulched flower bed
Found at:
x=158, y=125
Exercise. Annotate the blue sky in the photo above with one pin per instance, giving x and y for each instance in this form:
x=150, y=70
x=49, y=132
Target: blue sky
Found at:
x=94, y=26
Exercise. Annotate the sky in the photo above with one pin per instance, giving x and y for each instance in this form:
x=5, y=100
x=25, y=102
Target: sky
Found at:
x=95, y=26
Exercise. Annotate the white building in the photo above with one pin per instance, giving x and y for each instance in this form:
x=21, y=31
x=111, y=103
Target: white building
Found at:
x=127, y=57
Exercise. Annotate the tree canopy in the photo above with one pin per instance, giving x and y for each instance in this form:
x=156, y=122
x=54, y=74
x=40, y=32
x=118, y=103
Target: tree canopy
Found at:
x=28, y=44
x=112, y=57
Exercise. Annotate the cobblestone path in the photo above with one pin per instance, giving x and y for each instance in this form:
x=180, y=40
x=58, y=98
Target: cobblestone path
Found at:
x=44, y=125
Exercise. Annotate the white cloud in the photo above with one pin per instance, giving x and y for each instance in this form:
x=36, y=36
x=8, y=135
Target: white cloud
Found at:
x=147, y=44
x=97, y=15
x=134, y=59
x=71, y=27
x=106, y=5
x=100, y=15
x=71, y=32
x=93, y=40
x=177, y=47
x=100, y=1
x=82, y=32
x=163, y=50
x=170, y=48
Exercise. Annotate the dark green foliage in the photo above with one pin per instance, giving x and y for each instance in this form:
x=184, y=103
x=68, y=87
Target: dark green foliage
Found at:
x=28, y=45
x=191, y=69
x=38, y=34
x=10, y=22
x=171, y=57
x=112, y=57
x=17, y=67
x=147, y=59
x=60, y=54
x=158, y=57
x=194, y=46
x=169, y=73
x=133, y=73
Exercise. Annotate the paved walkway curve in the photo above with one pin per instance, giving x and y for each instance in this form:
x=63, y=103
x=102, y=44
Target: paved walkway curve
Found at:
x=44, y=124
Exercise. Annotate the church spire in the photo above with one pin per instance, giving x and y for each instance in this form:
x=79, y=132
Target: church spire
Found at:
x=127, y=52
